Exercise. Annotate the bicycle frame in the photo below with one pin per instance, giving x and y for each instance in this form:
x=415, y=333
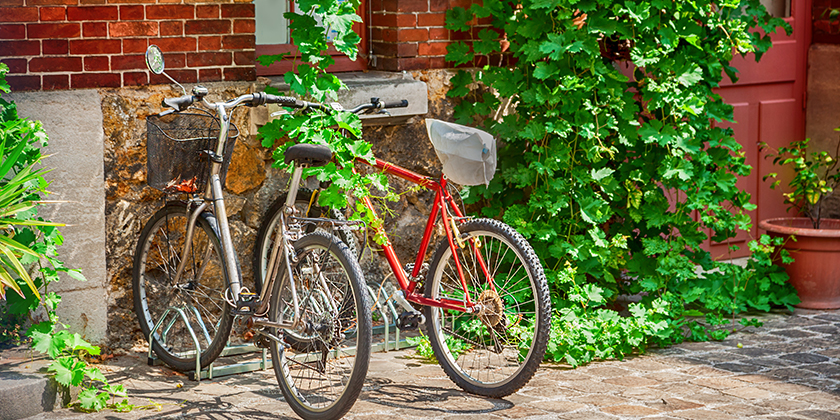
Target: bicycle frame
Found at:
x=442, y=201
x=214, y=196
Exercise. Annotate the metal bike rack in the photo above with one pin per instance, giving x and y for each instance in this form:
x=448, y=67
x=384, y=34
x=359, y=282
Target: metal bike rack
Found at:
x=387, y=311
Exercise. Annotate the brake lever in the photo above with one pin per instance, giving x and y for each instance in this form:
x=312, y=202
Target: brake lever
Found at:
x=384, y=111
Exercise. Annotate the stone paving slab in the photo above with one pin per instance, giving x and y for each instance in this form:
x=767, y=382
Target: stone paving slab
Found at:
x=778, y=372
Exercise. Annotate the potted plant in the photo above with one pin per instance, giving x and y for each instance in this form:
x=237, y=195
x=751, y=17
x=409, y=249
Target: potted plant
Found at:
x=813, y=241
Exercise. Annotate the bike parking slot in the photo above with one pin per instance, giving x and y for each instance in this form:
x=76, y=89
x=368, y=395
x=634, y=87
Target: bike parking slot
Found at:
x=385, y=307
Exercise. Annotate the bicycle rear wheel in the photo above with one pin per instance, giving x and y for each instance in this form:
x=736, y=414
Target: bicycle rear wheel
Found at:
x=321, y=377
x=496, y=350
x=198, y=293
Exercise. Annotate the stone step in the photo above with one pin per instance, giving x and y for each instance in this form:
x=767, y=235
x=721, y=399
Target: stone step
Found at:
x=25, y=389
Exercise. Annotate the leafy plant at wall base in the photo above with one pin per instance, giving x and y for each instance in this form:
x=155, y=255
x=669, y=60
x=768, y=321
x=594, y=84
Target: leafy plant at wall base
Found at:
x=28, y=256
x=309, y=80
x=423, y=347
x=815, y=176
x=616, y=170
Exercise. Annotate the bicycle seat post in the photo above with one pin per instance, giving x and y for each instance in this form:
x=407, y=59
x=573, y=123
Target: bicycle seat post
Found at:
x=293, y=188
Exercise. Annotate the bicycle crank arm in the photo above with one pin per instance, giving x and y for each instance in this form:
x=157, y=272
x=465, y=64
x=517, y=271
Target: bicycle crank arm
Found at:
x=399, y=296
x=272, y=337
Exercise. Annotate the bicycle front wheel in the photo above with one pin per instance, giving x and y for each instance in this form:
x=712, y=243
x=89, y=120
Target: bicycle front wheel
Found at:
x=321, y=377
x=495, y=350
x=194, y=303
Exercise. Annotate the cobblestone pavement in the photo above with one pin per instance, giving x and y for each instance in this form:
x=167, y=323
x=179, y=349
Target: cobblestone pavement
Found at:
x=787, y=369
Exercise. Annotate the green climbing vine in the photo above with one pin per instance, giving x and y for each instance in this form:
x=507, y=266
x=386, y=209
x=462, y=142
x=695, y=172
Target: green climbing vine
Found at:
x=317, y=25
x=611, y=163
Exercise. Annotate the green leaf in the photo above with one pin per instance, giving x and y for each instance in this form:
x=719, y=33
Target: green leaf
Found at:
x=460, y=84
x=601, y=173
x=488, y=42
x=93, y=400
x=76, y=274
x=458, y=53
x=12, y=159
x=362, y=149
x=545, y=70
x=691, y=77
x=115, y=390
x=94, y=374
x=68, y=370
x=47, y=342
x=75, y=342
x=267, y=60
x=457, y=18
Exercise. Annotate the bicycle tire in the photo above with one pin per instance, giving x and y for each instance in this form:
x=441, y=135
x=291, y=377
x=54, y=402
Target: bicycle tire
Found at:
x=514, y=324
x=345, y=332
x=272, y=218
x=204, y=281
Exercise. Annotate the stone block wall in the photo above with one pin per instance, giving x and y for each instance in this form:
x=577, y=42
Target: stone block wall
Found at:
x=73, y=44
x=76, y=184
x=252, y=185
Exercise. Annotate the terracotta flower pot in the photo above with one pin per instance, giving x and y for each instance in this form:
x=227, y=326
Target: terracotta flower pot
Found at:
x=815, y=272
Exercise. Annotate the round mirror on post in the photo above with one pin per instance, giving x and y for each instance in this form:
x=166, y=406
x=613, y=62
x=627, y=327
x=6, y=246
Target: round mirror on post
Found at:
x=154, y=59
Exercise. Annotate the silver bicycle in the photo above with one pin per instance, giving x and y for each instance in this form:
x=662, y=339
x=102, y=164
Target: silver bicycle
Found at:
x=312, y=309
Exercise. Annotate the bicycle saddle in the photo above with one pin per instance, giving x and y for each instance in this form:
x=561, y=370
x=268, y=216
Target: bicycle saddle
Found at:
x=308, y=154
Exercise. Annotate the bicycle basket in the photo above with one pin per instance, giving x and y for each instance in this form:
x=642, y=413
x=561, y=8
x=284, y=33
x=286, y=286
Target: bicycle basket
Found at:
x=468, y=154
x=176, y=146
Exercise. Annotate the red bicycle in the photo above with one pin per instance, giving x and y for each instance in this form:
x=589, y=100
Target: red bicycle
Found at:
x=486, y=302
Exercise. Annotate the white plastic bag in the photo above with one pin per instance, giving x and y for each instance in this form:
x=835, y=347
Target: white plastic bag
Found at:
x=468, y=154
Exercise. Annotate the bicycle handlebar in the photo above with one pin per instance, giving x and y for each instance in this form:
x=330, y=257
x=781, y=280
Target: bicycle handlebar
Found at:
x=261, y=98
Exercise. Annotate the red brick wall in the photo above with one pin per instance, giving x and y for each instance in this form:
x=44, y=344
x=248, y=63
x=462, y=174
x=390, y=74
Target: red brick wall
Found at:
x=410, y=34
x=825, y=31
x=68, y=44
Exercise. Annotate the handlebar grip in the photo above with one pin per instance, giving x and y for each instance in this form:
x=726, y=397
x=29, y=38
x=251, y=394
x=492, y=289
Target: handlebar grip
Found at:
x=179, y=104
x=262, y=98
x=396, y=104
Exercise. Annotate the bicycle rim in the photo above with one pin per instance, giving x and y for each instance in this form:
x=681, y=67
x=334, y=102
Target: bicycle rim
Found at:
x=495, y=350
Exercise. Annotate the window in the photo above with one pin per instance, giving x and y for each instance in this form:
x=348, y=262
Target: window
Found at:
x=274, y=37
x=777, y=8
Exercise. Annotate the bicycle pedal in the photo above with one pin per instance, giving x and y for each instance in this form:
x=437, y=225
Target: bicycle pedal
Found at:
x=262, y=341
x=410, y=320
x=248, y=302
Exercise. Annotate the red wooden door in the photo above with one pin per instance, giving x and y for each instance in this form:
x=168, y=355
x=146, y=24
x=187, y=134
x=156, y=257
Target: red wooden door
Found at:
x=769, y=101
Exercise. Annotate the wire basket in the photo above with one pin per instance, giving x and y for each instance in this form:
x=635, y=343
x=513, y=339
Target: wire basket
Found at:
x=177, y=147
